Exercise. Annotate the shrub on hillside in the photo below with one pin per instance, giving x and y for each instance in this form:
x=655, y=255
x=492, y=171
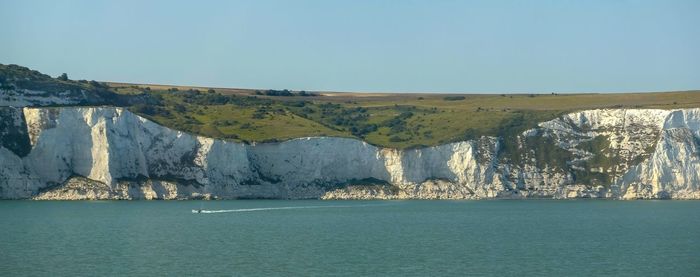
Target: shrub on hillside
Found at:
x=454, y=98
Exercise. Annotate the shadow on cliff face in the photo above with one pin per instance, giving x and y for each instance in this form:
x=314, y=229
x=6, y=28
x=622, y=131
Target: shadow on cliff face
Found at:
x=13, y=131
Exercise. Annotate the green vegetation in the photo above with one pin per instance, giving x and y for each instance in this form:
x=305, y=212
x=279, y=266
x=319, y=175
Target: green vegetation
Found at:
x=14, y=77
x=540, y=149
x=391, y=120
x=603, y=159
x=454, y=98
x=63, y=77
x=284, y=92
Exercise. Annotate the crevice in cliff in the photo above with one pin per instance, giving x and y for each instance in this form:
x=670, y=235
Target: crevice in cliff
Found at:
x=13, y=131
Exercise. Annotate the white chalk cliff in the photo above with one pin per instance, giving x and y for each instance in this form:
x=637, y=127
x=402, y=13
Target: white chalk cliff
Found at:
x=110, y=153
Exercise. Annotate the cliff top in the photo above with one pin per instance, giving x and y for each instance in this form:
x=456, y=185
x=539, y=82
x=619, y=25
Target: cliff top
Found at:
x=398, y=120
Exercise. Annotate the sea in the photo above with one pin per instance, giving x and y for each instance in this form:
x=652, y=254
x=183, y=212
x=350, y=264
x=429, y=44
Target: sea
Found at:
x=350, y=238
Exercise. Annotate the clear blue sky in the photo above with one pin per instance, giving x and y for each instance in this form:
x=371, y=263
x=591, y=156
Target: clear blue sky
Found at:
x=400, y=46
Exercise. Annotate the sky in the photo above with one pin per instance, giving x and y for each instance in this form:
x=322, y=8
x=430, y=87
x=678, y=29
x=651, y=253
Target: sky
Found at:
x=372, y=46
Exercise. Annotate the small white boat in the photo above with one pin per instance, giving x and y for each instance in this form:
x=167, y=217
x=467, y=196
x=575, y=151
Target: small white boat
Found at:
x=198, y=211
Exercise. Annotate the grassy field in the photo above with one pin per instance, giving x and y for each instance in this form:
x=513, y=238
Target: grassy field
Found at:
x=401, y=120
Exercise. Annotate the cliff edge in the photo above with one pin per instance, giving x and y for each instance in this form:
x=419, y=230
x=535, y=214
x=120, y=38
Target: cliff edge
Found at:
x=111, y=153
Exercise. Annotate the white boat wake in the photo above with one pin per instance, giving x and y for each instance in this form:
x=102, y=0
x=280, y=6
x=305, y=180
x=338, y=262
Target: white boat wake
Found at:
x=282, y=208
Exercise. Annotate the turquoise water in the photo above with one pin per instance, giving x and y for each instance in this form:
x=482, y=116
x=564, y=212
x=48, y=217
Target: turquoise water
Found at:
x=400, y=238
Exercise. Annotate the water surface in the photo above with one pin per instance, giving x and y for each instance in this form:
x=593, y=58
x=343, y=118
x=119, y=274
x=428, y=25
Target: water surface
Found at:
x=416, y=238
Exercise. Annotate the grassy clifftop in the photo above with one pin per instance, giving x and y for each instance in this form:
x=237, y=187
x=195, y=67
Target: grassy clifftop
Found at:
x=385, y=119
x=16, y=81
x=392, y=120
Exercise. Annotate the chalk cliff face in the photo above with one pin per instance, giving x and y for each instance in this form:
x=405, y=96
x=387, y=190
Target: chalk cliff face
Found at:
x=110, y=153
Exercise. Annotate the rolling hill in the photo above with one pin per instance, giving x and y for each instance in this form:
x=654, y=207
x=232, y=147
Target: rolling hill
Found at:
x=396, y=120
